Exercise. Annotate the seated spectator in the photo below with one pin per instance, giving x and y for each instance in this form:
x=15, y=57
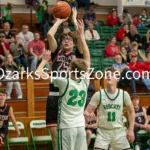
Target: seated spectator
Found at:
x=123, y=53
x=123, y=69
x=90, y=16
x=6, y=14
x=18, y=50
x=136, y=20
x=10, y=66
x=125, y=18
x=4, y=48
x=36, y=50
x=9, y=35
x=126, y=43
x=141, y=119
x=64, y=28
x=26, y=36
x=144, y=18
x=133, y=35
x=48, y=20
x=140, y=54
x=112, y=49
x=146, y=41
x=136, y=65
x=91, y=34
x=122, y=32
x=91, y=127
x=113, y=19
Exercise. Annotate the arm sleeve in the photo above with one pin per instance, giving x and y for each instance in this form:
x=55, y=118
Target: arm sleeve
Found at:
x=95, y=100
x=97, y=37
x=87, y=36
x=127, y=99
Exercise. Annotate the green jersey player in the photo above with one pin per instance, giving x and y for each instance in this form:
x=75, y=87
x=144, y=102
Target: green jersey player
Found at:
x=110, y=127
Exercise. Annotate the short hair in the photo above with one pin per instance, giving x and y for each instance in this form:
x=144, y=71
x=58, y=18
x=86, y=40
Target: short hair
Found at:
x=112, y=70
x=63, y=35
x=144, y=9
x=6, y=22
x=25, y=25
x=78, y=65
x=135, y=97
x=36, y=32
x=3, y=91
x=125, y=24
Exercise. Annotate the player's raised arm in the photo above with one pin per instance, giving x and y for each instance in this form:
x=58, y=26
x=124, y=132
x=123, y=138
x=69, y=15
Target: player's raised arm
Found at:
x=45, y=59
x=51, y=33
x=84, y=46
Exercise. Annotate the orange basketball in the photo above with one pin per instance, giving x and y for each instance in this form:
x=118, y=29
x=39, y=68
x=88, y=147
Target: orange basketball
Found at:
x=61, y=10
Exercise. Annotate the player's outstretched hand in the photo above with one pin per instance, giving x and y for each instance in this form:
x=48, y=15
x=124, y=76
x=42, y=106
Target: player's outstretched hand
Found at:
x=130, y=136
x=80, y=27
x=47, y=56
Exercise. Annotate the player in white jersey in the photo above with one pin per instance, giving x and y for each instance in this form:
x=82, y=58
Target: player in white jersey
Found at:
x=73, y=93
x=110, y=102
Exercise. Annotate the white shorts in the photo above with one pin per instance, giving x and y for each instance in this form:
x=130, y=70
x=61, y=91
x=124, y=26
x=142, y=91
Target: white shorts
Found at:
x=72, y=139
x=116, y=138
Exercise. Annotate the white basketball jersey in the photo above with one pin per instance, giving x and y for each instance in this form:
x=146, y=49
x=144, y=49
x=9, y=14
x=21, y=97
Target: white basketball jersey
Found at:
x=71, y=105
x=111, y=110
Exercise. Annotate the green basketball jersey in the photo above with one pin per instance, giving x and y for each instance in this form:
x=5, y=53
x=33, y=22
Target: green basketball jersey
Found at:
x=72, y=103
x=111, y=110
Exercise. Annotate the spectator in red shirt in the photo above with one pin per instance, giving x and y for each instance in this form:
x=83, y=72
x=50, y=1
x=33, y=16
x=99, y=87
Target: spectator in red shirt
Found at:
x=4, y=48
x=136, y=20
x=36, y=50
x=136, y=65
x=113, y=19
x=112, y=49
x=147, y=63
x=122, y=32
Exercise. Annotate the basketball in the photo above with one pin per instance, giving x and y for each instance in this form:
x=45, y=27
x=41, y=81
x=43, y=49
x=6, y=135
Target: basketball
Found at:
x=61, y=10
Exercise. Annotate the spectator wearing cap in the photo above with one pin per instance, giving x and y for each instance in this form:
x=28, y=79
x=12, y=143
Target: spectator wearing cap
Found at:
x=4, y=47
x=9, y=35
x=26, y=36
x=140, y=54
x=125, y=17
x=18, y=51
x=90, y=16
x=113, y=19
x=122, y=32
x=136, y=65
x=91, y=34
x=133, y=35
x=123, y=69
x=112, y=49
x=36, y=51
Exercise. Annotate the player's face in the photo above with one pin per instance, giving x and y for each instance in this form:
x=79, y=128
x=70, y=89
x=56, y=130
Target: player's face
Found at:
x=135, y=102
x=67, y=43
x=2, y=97
x=111, y=78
